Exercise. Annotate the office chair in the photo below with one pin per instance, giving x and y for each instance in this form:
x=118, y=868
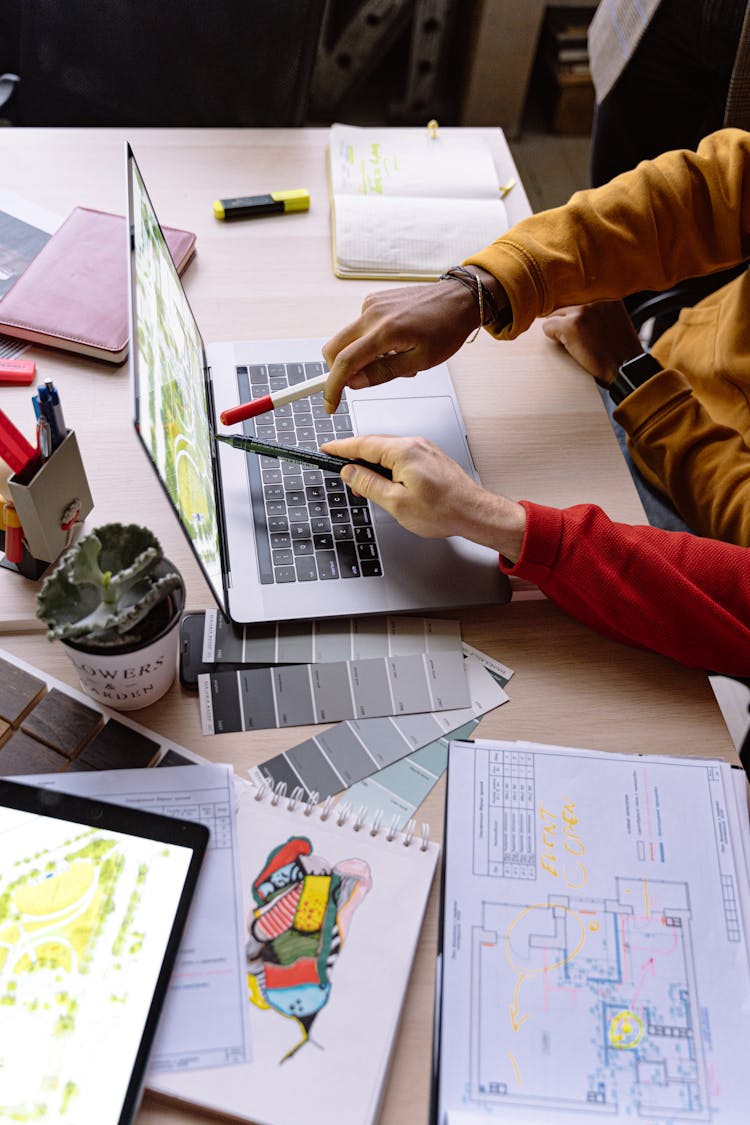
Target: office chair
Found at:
x=663, y=309
x=171, y=63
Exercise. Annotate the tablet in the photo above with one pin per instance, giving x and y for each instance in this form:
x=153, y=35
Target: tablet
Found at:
x=93, y=900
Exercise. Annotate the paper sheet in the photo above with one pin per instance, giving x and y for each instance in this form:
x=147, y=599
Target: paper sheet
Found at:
x=595, y=950
x=24, y=229
x=204, y=1022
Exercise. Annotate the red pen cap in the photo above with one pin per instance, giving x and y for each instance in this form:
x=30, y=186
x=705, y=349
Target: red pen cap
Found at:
x=246, y=410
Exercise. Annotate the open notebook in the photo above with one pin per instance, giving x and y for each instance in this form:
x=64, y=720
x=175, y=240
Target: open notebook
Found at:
x=333, y=914
x=407, y=205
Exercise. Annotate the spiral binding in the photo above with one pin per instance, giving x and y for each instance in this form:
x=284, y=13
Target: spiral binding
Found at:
x=344, y=814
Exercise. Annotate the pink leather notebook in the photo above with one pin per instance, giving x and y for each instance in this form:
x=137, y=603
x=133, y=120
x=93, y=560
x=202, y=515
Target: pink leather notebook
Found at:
x=74, y=294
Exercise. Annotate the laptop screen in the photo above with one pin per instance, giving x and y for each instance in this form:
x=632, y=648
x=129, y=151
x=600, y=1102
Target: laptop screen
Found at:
x=172, y=413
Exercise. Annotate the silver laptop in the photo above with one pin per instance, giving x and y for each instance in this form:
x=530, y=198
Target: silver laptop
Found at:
x=277, y=540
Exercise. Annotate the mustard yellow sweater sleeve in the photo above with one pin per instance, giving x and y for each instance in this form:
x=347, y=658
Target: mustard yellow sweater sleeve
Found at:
x=702, y=465
x=682, y=214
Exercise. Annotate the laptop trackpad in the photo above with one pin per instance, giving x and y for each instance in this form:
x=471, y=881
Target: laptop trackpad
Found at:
x=434, y=418
x=431, y=417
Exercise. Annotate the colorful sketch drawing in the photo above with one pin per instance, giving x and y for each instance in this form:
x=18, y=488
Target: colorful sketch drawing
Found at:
x=303, y=910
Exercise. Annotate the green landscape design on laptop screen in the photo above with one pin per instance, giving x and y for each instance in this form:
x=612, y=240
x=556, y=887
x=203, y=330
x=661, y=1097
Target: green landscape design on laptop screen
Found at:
x=173, y=413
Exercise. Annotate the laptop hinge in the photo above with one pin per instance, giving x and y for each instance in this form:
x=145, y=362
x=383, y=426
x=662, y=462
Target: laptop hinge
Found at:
x=218, y=490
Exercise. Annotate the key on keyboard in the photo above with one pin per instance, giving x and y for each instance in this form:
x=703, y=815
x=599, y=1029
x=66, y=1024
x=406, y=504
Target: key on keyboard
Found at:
x=308, y=525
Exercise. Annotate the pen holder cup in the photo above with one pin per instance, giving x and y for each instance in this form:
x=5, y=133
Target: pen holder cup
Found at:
x=50, y=504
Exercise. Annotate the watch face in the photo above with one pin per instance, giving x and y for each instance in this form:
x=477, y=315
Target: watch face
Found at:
x=633, y=374
x=637, y=371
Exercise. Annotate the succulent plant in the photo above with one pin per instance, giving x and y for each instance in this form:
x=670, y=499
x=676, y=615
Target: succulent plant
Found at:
x=103, y=588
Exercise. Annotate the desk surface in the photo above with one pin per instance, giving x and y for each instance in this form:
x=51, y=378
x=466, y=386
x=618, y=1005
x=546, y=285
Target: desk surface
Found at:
x=537, y=434
x=535, y=421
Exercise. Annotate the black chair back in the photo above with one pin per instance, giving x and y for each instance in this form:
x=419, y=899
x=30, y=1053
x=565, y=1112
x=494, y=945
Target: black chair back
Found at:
x=165, y=62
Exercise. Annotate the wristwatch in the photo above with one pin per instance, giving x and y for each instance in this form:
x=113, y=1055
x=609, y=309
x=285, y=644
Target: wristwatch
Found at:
x=631, y=375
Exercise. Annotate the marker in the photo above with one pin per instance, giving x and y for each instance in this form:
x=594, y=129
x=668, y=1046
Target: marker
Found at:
x=270, y=402
x=253, y=206
x=320, y=460
x=17, y=372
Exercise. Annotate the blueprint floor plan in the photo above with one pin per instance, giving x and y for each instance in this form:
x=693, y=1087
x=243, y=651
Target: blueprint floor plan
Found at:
x=595, y=959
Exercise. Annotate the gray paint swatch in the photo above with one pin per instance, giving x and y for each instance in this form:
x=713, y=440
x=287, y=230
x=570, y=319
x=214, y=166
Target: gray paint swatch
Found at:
x=327, y=640
x=351, y=751
x=299, y=694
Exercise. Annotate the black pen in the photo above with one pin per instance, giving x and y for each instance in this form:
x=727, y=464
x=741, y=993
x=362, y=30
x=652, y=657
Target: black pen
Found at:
x=292, y=453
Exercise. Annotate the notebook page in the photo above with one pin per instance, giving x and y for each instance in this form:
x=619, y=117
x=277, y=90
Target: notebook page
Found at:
x=381, y=163
x=313, y=985
x=400, y=235
x=407, y=205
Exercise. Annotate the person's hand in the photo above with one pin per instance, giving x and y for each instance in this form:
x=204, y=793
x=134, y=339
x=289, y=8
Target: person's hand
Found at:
x=400, y=332
x=430, y=495
x=599, y=336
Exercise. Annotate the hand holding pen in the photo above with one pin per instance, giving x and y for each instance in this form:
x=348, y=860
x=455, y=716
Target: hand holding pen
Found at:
x=315, y=458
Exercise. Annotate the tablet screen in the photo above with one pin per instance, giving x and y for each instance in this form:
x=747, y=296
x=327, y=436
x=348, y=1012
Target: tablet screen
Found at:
x=92, y=901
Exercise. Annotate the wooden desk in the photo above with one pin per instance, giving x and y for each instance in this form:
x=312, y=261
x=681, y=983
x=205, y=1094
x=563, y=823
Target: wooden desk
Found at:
x=569, y=687
x=535, y=420
x=536, y=427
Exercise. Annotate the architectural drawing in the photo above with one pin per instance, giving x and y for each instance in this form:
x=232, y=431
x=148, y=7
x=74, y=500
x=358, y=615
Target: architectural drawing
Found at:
x=618, y=976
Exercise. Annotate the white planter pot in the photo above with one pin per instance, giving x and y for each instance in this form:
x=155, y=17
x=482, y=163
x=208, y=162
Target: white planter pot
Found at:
x=130, y=678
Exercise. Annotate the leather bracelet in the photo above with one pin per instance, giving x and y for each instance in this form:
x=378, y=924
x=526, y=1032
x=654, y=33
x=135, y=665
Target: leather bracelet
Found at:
x=489, y=313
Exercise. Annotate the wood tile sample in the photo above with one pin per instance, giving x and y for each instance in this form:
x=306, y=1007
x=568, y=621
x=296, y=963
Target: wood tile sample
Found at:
x=22, y=754
x=117, y=747
x=77, y=766
x=5, y=729
x=62, y=722
x=172, y=758
x=19, y=690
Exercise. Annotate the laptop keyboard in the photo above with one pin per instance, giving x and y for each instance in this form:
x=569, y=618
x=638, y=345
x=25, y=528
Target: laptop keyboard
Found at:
x=309, y=526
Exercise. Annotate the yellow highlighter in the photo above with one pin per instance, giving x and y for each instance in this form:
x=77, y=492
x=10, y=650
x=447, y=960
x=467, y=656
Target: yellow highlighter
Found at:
x=253, y=206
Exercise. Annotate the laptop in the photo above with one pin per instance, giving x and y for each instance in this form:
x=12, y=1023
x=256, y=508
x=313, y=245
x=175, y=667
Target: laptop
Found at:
x=279, y=541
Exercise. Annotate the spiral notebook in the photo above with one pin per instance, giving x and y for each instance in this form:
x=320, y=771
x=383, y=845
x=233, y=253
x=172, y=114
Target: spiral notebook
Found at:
x=406, y=204
x=333, y=909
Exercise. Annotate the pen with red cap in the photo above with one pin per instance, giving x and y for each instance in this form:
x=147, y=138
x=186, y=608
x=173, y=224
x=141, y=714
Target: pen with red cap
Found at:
x=270, y=402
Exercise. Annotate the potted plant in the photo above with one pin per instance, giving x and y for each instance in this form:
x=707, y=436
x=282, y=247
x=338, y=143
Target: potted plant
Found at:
x=115, y=602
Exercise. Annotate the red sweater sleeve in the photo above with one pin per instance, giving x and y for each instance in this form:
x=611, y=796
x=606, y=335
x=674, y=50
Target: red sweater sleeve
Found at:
x=668, y=591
